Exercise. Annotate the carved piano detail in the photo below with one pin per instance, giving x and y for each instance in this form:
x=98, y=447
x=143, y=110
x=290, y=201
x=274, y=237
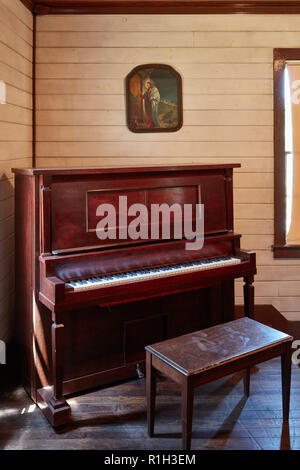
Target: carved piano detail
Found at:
x=86, y=306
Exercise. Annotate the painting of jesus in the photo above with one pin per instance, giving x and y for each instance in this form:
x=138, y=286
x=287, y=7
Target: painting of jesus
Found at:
x=154, y=99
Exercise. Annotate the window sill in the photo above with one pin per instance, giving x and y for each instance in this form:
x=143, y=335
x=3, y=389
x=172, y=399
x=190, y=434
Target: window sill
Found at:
x=286, y=251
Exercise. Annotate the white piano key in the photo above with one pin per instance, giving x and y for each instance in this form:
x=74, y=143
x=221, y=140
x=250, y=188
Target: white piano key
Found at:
x=148, y=274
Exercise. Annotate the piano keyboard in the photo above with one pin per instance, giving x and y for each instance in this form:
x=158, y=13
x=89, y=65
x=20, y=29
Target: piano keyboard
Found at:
x=149, y=273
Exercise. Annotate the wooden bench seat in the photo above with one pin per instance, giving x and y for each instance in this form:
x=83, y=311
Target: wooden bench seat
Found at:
x=206, y=355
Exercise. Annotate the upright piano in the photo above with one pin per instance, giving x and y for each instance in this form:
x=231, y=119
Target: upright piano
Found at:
x=87, y=306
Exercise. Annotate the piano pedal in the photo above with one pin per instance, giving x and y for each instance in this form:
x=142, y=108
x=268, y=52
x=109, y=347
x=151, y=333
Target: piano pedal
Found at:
x=139, y=372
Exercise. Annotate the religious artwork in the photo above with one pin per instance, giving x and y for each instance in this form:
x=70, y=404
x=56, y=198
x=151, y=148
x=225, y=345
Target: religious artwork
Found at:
x=154, y=99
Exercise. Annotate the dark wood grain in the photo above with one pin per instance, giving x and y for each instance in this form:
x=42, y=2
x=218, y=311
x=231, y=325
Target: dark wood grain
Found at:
x=197, y=358
x=114, y=418
x=151, y=393
x=43, y=7
x=117, y=169
x=187, y=405
x=246, y=380
x=206, y=349
x=248, y=289
x=30, y=4
x=99, y=335
x=286, y=381
x=24, y=282
x=74, y=222
x=57, y=360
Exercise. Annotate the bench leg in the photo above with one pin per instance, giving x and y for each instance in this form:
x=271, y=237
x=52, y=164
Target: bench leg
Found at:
x=187, y=402
x=151, y=392
x=247, y=381
x=286, y=381
x=248, y=289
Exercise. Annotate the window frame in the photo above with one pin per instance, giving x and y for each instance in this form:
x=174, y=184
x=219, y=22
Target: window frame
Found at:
x=280, y=248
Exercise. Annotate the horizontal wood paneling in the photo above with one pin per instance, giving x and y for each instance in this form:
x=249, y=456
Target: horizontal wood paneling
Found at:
x=122, y=39
x=15, y=132
x=247, y=39
x=195, y=55
x=142, y=149
x=236, y=109
x=254, y=211
x=15, y=60
x=191, y=86
x=15, y=78
x=253, y=195
x=254, y=226
x=226, y=64
x=19, y=11
x=9, y=37
x=288, y=273
x=104, y=117
x=16, y=39
x=18, y=115
x=21, y=29
x=114, y=71
x=17, y=97
x=265, y=258
x=257, y=242
x=14, y=150
x=113, y=23
x=252, y=165
x=250, y=180
x=108, y=127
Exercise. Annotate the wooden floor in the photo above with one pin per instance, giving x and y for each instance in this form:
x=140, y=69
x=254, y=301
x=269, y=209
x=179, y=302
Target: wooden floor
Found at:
x=115, y=417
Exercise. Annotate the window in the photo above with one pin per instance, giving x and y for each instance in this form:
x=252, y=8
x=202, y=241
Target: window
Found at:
x=287, y=153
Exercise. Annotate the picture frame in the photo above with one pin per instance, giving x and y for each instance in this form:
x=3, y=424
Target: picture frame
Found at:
x=154, y=99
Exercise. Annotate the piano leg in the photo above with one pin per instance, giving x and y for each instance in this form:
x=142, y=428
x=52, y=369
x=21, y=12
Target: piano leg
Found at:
x=53, y=405
x=249, y=296
x=249, y=312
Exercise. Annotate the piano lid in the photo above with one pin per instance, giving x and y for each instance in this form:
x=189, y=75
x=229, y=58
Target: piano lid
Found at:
x=120, y=169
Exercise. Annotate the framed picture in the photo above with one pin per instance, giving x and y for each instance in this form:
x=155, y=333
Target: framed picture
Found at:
x=154, y=99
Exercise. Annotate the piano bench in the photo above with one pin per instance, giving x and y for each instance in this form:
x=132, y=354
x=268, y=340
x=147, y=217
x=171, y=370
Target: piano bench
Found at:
x=200, y=357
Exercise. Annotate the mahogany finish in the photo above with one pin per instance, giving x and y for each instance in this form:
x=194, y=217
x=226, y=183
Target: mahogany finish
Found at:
x=200, y=357
x=50, y=7
x=73, y=341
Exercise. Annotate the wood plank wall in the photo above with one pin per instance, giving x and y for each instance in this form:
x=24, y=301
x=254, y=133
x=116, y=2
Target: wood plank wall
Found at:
x=16, y=39
x=226, y=65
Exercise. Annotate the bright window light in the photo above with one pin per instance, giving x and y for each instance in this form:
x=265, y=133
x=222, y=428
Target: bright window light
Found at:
x=2, y=92
x=288, y=151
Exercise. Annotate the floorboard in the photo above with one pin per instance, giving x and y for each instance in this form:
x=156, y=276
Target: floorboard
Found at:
x=114, y=418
